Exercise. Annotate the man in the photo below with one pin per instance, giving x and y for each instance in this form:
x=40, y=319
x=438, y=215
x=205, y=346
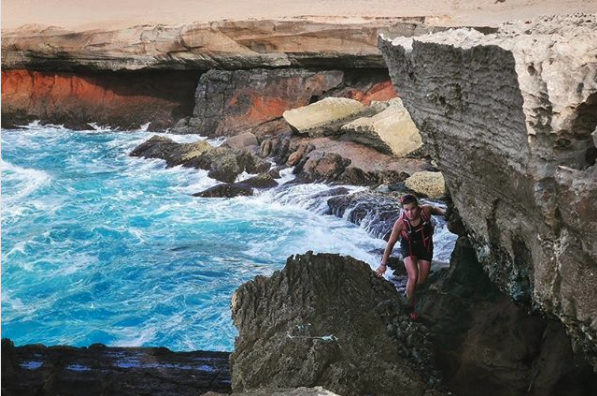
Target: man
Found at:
x=416, y=244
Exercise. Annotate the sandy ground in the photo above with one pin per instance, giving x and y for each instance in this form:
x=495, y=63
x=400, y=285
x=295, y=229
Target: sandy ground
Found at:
x=91, y=14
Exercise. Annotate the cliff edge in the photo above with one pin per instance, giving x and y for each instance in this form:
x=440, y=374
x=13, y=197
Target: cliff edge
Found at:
x=510, y=118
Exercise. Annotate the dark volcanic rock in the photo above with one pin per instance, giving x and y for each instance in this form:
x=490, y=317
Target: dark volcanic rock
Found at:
x=99, y=370
x=322, y=167
x=225, y=191
x=486, y=344
x=325, y=320
x=167, y=149
x=225, y=164
x=375, y=212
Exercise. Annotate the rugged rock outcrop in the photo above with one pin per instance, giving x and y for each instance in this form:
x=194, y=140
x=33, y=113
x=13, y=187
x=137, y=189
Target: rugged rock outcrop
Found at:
x=508, y=118
x=172, y=152
x=486, y=344
x=100, y=370
x=229, y=102
x=324, y=320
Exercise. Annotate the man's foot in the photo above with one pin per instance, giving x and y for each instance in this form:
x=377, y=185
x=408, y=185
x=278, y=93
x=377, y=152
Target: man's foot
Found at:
x=406, y=303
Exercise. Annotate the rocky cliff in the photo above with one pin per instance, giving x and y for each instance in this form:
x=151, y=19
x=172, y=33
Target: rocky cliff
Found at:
x=150, y=73
x=510, y=120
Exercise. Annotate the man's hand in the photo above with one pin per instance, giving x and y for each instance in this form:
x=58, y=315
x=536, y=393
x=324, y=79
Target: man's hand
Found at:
x=381, y=270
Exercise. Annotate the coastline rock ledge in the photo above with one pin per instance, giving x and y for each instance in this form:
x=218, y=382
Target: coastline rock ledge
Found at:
x=510, y=118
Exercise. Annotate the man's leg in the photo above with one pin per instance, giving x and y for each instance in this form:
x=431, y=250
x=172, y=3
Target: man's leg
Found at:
x=413, y=273
x=424, y=267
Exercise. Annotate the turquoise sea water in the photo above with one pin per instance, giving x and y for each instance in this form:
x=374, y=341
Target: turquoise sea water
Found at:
x=99, y=247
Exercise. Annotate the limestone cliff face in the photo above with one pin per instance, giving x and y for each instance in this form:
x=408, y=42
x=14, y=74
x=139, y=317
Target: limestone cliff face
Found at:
x=223, y=45
x=510, y=119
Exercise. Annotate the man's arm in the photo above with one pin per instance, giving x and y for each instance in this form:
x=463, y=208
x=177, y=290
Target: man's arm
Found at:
x=433, y=210
x=396, y=230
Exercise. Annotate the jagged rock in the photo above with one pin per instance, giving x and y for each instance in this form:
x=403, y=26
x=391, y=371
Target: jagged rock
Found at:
x=241, y=141
x=226, y=191
x=508, y=117
x=99, y=370
x=167, y=149
x=263, y=180
x=230, y=102
x=391, y=131
x=321, y=321
x=225, y=164
x=297, y=155
x=486, y=343
x=429, y=184
x=374, y=212
x=322, y=167
x=367, y=166
x=320, y=118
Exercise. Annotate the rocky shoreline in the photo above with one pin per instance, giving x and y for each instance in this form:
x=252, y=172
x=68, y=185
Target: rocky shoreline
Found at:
x=507, y=117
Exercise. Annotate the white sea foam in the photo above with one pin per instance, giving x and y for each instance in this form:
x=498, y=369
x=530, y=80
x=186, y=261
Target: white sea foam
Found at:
x=29, y=180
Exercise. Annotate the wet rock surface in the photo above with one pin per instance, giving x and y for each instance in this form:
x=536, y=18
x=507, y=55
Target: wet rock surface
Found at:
x=99, y=370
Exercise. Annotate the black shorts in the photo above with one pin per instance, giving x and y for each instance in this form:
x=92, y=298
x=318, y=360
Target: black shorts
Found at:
x=418, y=250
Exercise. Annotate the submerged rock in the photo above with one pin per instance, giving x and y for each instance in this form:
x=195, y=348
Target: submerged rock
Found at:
x=324, y=320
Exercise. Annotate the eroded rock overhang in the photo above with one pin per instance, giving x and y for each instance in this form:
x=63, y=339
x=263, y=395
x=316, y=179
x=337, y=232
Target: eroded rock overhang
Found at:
x=300, y=42
x=510, y=118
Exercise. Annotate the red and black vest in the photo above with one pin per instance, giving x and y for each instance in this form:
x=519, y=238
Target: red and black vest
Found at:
x=421, y=234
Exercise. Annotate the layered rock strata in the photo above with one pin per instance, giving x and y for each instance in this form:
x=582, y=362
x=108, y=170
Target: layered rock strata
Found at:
x=509, y=118
x=100, y=370
x=303, y=42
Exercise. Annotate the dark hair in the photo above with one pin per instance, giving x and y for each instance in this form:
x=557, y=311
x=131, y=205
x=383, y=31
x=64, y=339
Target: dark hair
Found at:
x=408, y=199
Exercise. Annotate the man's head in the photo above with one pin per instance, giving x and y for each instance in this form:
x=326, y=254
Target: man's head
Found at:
x=410, y=206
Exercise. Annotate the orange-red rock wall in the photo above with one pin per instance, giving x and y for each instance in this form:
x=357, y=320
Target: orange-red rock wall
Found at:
x=125, y=100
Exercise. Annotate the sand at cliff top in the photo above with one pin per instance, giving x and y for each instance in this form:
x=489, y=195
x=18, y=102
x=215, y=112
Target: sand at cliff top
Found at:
x=88, y=14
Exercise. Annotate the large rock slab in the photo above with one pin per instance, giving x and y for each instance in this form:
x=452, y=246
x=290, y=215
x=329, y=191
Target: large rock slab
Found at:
x=391, y=131
x=508, y=118
x=319, y=322
x=310, y=119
